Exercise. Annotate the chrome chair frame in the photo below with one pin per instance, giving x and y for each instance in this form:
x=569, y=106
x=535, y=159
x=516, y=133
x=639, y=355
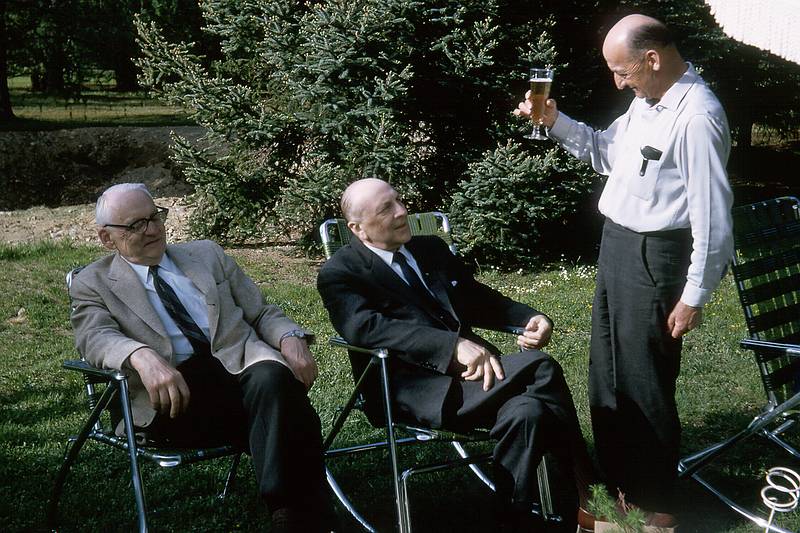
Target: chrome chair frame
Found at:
x=116, y=385
x=777, y=416
x=334, y=234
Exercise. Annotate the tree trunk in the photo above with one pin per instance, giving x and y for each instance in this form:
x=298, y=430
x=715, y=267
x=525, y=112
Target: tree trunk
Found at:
x=6, y=113
x=54, y=72
x=125, y=75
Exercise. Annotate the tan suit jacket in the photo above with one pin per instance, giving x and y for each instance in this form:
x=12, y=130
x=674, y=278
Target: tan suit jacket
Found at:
x=112, y=316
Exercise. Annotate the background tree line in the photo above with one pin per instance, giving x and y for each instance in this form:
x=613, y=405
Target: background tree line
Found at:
x=306, y=95
x=62, y=44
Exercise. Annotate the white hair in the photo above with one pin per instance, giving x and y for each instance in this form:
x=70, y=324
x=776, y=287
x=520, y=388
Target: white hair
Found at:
x=102, y=211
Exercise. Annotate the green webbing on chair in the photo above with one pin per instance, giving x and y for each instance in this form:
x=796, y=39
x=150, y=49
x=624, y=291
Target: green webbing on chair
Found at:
x=433, y=223
x=334, y=232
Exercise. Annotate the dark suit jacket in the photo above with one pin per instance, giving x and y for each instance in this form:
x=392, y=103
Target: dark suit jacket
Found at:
x=369, y=305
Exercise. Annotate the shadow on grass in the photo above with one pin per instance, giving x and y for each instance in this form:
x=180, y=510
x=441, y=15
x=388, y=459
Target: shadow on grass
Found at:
x=142, y=121
x=738, y=473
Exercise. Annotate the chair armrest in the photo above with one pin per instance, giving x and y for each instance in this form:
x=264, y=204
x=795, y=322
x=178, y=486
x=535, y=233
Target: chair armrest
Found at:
x=341, y=343
x=514, y=330
x=86, y=368
x=774, y=348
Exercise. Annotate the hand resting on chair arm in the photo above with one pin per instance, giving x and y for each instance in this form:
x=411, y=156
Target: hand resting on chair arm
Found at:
x=297, y=355
x=165, y=385
x=537, y=333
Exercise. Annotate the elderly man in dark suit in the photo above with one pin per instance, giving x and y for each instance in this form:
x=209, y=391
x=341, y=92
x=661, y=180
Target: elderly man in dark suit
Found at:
x=209, y=361
x=414, y=297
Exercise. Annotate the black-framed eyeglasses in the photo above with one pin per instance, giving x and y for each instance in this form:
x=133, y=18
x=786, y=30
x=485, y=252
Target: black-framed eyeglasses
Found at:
x=141, y=225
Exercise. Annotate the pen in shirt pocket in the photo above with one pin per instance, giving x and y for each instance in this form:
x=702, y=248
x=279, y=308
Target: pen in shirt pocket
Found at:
x=648, y=154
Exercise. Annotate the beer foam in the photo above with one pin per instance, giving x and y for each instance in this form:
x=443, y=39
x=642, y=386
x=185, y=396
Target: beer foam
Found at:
x=539, y=80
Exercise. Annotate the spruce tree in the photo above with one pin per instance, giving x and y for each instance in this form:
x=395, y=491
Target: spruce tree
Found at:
x=310, y=95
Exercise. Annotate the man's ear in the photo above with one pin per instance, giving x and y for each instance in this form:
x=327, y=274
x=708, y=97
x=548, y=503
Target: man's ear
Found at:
x=653, y=58
x=355, y=228
x=105, y=238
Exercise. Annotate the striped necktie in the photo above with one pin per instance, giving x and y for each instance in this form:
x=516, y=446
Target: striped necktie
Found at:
x=178, y=312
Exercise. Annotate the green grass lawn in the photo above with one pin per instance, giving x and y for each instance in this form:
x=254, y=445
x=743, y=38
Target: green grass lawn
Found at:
x=41, y=405
x=95, y=106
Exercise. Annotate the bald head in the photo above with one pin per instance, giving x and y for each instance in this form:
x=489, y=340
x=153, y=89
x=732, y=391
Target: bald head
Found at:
x=375, y=214
x=638, y=33
x=357, y=196
x=641, y=54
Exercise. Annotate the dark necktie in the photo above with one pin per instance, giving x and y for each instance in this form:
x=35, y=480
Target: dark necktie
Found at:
x=417, y=286
x=178, y=312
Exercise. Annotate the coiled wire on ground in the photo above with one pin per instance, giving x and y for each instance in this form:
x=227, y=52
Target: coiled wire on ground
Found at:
x=782, y=492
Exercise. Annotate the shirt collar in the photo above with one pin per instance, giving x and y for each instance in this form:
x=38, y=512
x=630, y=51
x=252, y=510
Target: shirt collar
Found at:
x=672, y=98
x=143, y=271
x=387, y=256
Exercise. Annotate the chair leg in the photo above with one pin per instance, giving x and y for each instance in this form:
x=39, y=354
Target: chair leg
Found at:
x=689, y=465
x=400, y=506
x=72, y=454
x=774, y=436
x=136, y=476
x=231, y=477
x=479, y=473
x=545, y=497
x=760, y=521
x=456, y=463
x=346, y=410
x=336, y=428
x=345, y=501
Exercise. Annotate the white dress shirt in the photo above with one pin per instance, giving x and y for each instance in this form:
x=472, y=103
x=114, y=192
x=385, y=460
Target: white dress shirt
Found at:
x=686, y=188
x=190, y=296
x=387, y=257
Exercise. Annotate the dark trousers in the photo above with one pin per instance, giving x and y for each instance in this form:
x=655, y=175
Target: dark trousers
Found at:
x=265, y=410
x=528, y=413
x=634, y=361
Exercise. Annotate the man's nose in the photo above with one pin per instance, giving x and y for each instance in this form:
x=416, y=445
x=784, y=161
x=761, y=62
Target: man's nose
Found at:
x=619, y=81
x=401, y=211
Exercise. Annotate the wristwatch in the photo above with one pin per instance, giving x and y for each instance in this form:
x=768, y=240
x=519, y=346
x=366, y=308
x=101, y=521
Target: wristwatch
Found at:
x=299, y=333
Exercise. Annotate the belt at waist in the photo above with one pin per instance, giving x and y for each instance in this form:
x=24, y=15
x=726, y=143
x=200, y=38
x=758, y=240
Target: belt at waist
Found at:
x=679, y=234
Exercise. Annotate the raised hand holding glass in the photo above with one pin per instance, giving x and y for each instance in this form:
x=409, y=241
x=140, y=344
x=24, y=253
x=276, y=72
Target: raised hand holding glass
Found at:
x=540, y=80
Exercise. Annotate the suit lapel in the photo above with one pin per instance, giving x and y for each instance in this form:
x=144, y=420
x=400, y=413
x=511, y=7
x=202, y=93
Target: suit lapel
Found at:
x=378, y=270
x=434, y=275
x=384, y=275
x=123, y=280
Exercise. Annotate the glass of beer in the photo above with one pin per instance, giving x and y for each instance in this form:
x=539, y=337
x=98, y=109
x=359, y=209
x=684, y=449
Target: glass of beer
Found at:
x=540, y=80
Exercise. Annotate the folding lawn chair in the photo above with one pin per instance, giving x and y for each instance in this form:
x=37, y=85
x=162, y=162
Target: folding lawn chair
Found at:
x=335, y=234
x=101, y=387
x=766, y=269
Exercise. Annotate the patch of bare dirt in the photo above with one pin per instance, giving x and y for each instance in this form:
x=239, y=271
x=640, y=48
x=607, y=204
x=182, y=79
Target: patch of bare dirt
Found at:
x=76, y=222
x=52, y=179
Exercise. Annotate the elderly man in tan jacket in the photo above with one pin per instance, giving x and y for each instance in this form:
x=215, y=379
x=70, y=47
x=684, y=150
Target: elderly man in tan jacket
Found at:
x=209, y=360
